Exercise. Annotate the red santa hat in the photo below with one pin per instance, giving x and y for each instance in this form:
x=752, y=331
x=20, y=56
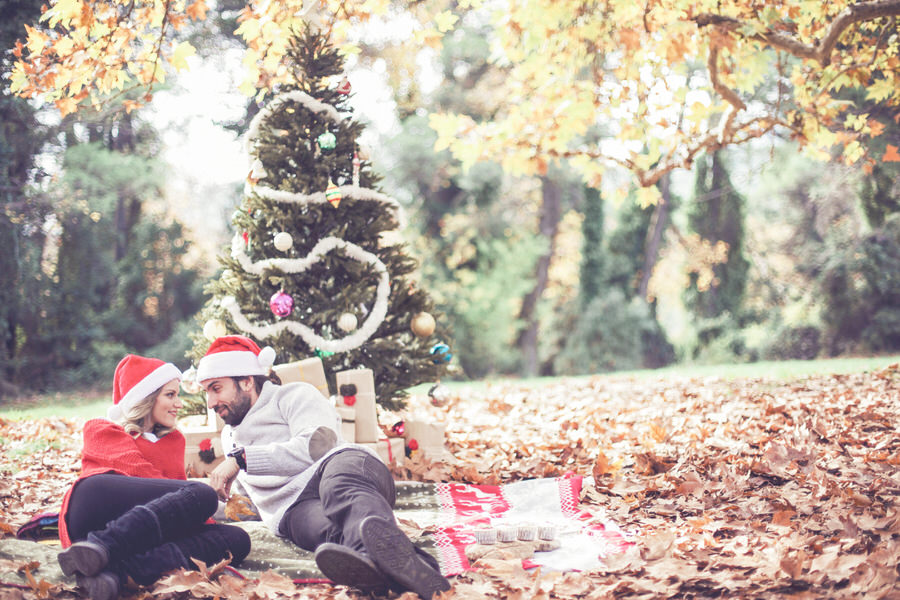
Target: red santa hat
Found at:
x=234, y=356
x=136, y=378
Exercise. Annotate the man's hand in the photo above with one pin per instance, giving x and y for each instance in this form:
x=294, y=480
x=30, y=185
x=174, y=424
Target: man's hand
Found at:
x=221, y=477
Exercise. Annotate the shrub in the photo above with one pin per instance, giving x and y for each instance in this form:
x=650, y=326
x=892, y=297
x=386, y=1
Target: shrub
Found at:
x=612, y=334
x=861, y=289
x=803, y=342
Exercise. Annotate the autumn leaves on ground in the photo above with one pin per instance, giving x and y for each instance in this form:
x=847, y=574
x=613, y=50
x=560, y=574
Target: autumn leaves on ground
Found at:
x=740, y=488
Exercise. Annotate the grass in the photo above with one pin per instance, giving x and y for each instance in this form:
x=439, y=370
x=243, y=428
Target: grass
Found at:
x=93, y=403
x=82, y=404
x=781, y=370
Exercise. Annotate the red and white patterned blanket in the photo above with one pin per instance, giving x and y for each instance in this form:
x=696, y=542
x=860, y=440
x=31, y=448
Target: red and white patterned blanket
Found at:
x=585, y=537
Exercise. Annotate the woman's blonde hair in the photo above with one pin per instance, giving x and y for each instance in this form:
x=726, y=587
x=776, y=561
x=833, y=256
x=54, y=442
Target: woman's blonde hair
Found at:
x=137, y=420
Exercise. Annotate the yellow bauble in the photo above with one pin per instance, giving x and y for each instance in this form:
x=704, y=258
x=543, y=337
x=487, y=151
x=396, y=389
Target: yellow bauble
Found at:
x=214, y=328
x=422, y=324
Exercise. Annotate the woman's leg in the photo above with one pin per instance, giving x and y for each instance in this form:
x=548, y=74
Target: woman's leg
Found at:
x=102, y=498
x=156, y=511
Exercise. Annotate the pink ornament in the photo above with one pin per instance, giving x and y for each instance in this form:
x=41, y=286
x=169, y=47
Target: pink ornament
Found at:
x=281, y=304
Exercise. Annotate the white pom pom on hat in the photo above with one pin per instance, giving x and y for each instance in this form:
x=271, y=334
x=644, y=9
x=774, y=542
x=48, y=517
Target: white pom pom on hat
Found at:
x=235, y=356
x=136, y=378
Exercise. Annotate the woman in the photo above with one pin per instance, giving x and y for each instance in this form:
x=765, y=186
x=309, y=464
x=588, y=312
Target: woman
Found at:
x=131, y=513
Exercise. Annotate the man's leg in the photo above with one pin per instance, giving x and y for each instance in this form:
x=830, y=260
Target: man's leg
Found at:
x=358, y=496
x=355, y=485
x=342, y=492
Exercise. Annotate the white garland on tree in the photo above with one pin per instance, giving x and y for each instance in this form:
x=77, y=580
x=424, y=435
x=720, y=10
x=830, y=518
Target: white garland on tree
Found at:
x=297, y=96
x=299, y=265
x=347, y=191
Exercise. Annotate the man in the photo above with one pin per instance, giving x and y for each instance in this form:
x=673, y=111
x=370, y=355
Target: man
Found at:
x=286, y=452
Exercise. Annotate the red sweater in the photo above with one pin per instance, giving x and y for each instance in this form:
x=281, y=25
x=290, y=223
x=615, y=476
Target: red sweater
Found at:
x=108, y=449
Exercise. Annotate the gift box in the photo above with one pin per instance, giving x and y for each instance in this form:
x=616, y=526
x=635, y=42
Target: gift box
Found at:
x=390, y=450
x=196, y=456
x=348, y=423
x=363, y=380
x=196, y=429
x=308, y=370
x=428, y=435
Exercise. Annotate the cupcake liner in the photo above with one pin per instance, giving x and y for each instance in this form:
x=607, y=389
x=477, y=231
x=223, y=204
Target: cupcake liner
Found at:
x=526, y=533
x=507, y=534
x=486, y=536
x=547, y=532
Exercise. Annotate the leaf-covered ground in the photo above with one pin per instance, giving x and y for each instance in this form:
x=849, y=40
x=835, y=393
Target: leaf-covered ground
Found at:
x=732, y=488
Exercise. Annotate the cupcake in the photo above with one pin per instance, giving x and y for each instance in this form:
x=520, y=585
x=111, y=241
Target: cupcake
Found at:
x=547, y=532
x=526, y=533
x=486, y=536
x=507, y=533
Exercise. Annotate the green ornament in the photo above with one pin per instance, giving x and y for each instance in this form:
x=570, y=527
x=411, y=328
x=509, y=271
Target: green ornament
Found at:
x=327, y=141
x=323, y=353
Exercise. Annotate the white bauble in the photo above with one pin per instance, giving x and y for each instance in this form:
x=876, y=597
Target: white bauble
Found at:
x=283, y=241
x=347, y=322
x=214, y=328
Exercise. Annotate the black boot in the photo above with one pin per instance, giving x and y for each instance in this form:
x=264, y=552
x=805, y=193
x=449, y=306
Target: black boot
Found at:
x=399, y=559
x=105, y=585
x=346, y=566
x=146, y=568
x=211, y=545
x=83, y=558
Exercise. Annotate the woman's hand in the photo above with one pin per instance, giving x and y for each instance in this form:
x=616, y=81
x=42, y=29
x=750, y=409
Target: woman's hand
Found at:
x=222, y=476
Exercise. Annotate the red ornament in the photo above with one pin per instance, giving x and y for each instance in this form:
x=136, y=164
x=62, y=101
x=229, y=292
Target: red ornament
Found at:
x=281, y=304
x=344, y=86
x=349, y=400
x=204, y=444
x=398, y=428
x=412, y=444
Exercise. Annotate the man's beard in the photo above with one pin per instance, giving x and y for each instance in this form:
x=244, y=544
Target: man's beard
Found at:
x=238, y=409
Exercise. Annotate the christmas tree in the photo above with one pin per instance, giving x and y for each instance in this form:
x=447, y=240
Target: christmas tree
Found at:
x=316, y=266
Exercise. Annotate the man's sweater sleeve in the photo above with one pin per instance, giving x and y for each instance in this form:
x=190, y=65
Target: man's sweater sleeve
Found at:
x=304, y=411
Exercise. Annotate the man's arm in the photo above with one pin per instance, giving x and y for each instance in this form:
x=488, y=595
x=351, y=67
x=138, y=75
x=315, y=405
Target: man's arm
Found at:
x=222, y=477
x=313, y=424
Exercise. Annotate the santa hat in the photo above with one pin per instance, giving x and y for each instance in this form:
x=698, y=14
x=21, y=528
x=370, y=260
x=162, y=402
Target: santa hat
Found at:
x=234, y=356
x=136, y=378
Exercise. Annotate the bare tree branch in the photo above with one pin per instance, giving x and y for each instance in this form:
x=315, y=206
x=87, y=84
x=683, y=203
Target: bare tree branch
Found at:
x=820, y=51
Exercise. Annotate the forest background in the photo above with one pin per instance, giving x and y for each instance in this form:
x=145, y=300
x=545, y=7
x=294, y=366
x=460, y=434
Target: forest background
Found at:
x=745, y=248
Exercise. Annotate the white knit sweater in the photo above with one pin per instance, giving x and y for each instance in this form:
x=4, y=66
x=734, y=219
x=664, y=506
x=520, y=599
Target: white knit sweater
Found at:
x=275, y=435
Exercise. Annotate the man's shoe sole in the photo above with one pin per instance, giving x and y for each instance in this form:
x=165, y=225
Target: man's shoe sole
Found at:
x=86, y=558
x=103, y=586
x=342, y=565
x=396, y=555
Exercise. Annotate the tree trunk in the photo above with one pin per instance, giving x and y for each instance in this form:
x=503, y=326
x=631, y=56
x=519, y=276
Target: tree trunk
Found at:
x=658, y=224
x=550, y=214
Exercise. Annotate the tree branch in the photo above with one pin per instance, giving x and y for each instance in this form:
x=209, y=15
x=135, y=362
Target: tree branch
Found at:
x=822, y=50
x=729, y=95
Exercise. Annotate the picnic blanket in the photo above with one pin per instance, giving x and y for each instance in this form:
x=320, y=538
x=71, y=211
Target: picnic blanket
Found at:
x=441, y=518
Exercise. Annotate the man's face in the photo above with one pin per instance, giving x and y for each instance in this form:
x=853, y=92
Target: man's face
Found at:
x=231, y=400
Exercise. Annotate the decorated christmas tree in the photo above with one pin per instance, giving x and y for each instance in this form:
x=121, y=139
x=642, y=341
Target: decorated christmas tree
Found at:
x=316, y=266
